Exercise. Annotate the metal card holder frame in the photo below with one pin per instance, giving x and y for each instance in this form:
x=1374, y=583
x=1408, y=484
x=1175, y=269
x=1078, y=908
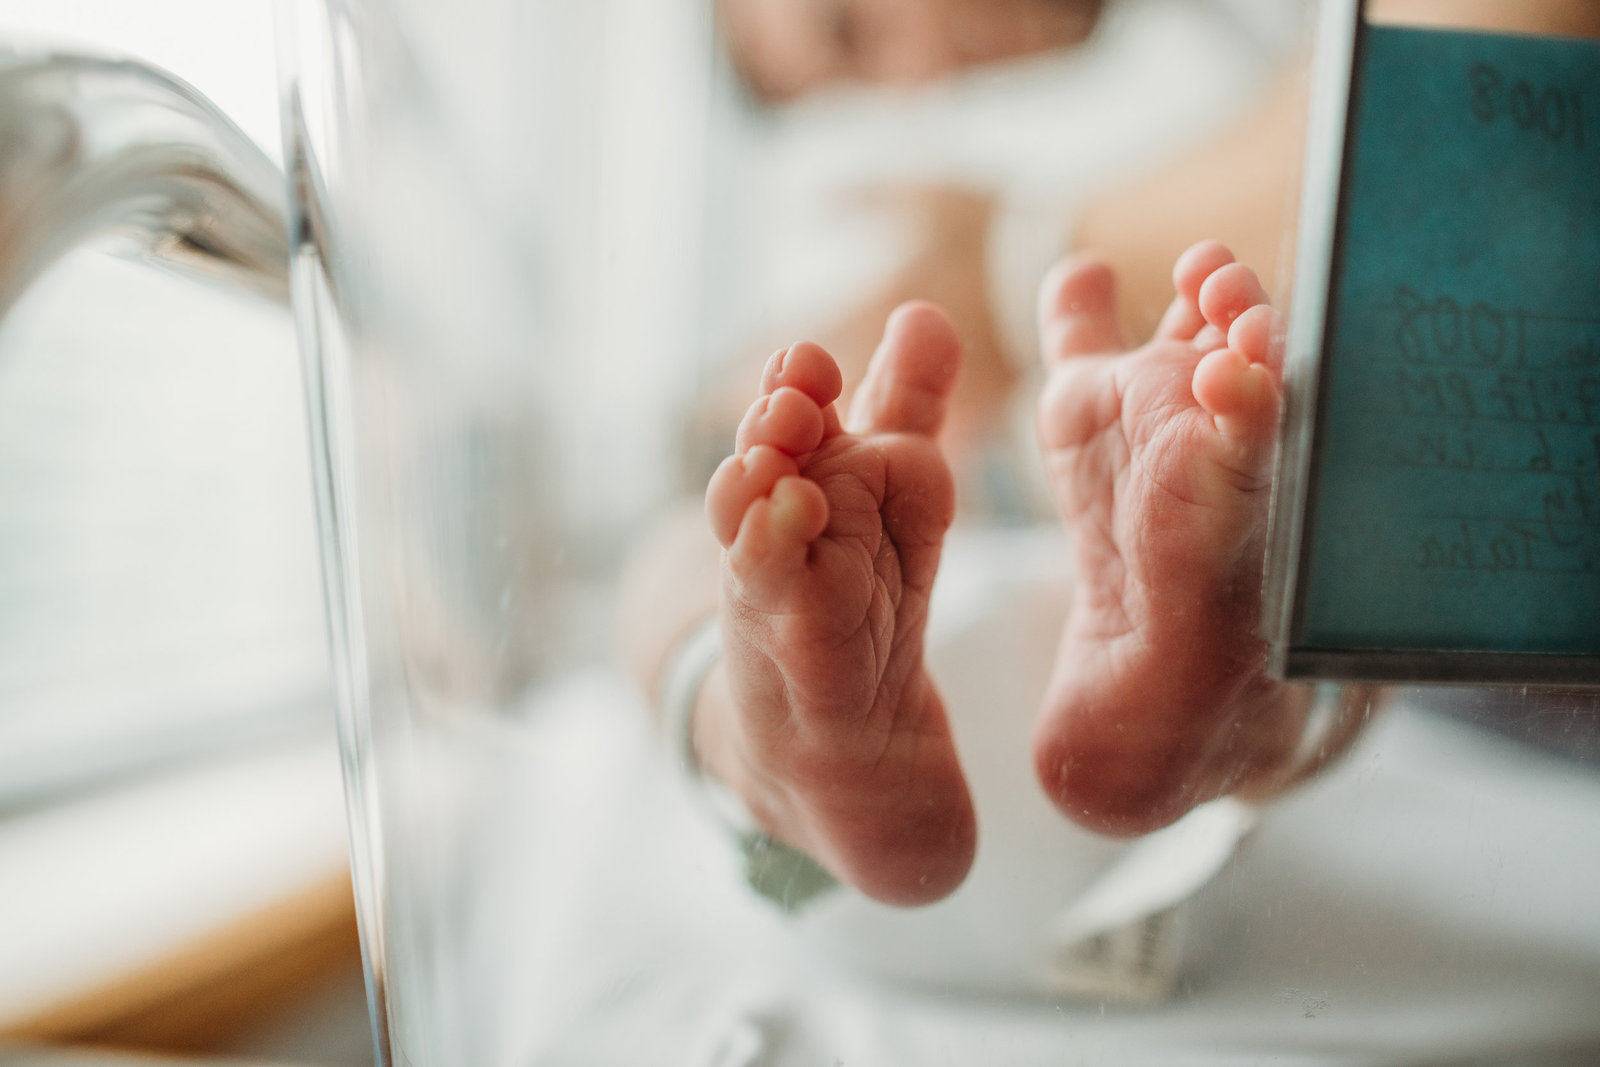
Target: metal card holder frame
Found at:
x=1338, y=65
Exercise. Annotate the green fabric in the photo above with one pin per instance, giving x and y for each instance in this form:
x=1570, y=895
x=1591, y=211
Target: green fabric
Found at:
x=787, y=877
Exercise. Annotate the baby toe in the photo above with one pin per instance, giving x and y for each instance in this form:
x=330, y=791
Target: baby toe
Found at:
x=773, y=541
x=1228, y=293
x=1196, y=265
x=785, y=419
x=1240, y=395
x=1257, y=335
x=738, y=483
x=1183, y=320
x=806, y=367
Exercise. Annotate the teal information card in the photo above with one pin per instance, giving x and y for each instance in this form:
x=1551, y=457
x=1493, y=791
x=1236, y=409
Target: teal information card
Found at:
x=1453, y=506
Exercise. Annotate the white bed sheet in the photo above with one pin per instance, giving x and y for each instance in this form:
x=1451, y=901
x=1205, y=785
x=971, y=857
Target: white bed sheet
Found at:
x=1431, y=901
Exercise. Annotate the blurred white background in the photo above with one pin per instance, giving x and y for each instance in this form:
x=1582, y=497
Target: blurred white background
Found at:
x=224, y=48
x=158, y=584
x=167, y=763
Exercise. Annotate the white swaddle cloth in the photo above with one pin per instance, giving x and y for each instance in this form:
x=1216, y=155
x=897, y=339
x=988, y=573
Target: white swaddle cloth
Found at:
x=1040, y=136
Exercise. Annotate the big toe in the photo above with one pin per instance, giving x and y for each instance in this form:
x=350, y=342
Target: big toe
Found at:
x=912, y=374
x=1078, y=309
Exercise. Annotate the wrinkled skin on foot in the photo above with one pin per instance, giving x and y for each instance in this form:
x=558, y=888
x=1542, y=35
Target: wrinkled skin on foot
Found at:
x=821, y=714
x=1159, y=458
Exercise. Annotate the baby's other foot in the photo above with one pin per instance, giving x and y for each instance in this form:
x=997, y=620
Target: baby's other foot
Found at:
x=821, y=714
x=1159, y=461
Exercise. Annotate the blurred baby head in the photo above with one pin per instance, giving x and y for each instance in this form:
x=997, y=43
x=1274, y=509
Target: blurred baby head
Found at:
x=786, y=48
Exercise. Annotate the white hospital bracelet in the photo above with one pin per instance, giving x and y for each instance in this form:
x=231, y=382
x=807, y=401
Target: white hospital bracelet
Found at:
x=783, y=875
x=686, y=672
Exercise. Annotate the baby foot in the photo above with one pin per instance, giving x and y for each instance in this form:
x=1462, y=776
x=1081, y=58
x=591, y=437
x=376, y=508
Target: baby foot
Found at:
x=820, y=714
x=1159, y=461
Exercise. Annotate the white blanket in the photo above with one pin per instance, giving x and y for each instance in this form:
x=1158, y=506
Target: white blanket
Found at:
x=1433, y=899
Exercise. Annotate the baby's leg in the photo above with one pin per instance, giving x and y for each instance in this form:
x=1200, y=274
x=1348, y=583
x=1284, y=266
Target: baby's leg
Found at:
x=821, y=715
x=1159, y=458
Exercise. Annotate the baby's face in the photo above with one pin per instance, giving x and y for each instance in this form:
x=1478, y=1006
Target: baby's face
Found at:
x=784, y=48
